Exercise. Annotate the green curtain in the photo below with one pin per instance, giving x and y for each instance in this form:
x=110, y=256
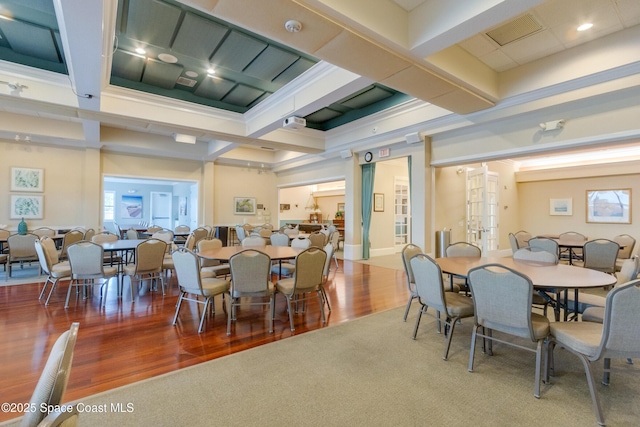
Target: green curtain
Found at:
x=368, y=176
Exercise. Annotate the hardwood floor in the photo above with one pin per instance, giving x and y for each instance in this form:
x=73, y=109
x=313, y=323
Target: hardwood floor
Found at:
x=122, y=342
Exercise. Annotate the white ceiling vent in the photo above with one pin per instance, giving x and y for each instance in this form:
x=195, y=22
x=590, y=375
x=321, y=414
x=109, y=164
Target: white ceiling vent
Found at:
x=186, y=82
x=517, y=29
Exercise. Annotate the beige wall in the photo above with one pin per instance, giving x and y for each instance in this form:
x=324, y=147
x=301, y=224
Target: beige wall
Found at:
x=534, y=205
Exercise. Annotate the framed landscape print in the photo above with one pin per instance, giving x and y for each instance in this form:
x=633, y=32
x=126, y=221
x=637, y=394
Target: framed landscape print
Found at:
x=26, y=206
x=27, y=179
x=561, y=206
x=244, y=205
x=131, y=207
x=609, y=206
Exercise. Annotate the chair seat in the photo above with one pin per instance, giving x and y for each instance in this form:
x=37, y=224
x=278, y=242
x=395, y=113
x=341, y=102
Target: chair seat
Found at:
x=593, y=314
x=110, y=271
x=584, y=337
x=210, y=287
x=271, y=288
x=458, y=305
x=62, y=269
x=285, y=286
x=216, y=270
x=286, y=269
x=585, y=301
x=130, y=270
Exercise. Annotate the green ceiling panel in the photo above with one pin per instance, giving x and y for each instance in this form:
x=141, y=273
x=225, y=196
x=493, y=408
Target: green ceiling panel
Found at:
x=209, y=34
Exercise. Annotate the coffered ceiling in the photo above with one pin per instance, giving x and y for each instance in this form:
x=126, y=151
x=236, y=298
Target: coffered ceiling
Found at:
x=227, y=72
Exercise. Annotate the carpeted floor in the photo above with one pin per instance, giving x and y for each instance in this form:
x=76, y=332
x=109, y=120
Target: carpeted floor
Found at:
x=370, y=372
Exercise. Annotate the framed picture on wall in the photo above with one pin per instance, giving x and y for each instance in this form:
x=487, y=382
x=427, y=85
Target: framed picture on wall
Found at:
x=378, y=202
x=561, y=206
x=244, y=205
x=340, y=207
x=26, y=206
x=131, y=207
x=609, y=206
x=27, y=179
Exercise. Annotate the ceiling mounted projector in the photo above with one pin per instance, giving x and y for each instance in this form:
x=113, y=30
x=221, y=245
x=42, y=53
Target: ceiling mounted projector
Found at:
x=294, y=122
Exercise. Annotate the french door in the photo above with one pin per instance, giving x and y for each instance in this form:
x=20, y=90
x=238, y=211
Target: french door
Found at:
x=482, y=208
x=402, y=211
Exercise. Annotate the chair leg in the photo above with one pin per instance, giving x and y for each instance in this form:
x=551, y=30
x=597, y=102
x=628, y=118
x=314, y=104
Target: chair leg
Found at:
x=272, y=308
x=536, y=388
x=448, y=344
x=44, y=287
x=321, y=302
x=423, y=309
x=290, y=312
x=230, y=314
x=53, y=287
x=592, y=388
x=406, y=311
x=66, y=304
x=473, y=348
x=175, y=317
x=204, y=313
x=607, y=371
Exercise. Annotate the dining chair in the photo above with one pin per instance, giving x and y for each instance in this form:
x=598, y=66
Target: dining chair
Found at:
x=149, y=260
x=627, y=244
x=240, y=233
x=291, y=231
x=199, y=234
x=592, y=305
x=132, y=234
x=502, y=302
x=21, y=249
x=540, y=255
x=317, y=239
x=430, y=293
x=571, y=254
x=288, y=268
x=51, y=265
x=513, y=242
x=53, y=380
x=167, y=262
x=87, y=265
x=153, y=229
x=106, y=237
x=254, y=242
x=44, y=231
x=69, y=239
x=546, y=244
x=334, y=239
x=461, y=249
x=601, y=255
x=266, y=233
x=522, y=237
x=307, y=279
x=408, y=252
x=279, y=239
x=251, y=284
x=212, y=267
x=195, y=288
x=88, y=234
x=328, y=249
x=617, y=337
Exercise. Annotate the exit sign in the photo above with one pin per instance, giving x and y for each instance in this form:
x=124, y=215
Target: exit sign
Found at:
x=383, y=152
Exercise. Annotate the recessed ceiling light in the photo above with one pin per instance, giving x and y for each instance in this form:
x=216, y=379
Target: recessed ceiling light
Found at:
x=191, y=73
x=169, y=59
x=211, y=71
x=585, y=26
x=140, y=50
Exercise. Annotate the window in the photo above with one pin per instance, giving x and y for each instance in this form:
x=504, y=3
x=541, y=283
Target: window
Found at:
x=109, y=206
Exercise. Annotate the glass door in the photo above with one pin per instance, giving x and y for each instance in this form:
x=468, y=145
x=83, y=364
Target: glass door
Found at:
x=482, y=208
x=402, y=211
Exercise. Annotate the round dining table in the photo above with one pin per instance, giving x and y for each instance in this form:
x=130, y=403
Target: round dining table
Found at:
x=276, y=253
x=544, y=276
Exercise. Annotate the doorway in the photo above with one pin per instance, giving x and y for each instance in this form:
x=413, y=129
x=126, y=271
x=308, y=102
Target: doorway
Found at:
x=161, y=209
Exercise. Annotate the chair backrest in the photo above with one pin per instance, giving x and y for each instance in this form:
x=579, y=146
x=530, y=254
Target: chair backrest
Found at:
x=190, y=242
x=535, y=254
x=182, y=229
x=44, y=231
x=545, y=244
x=43, y=258
x=317, y=239
x=205, y=244
x=4, y=234
x=513, y=241
x=187, y=269
x=301, y=243
x=522, y=237
x=572, y=235
x=69, y=239
x=104, y=237
x=240, y=233
x=628, y=271
x=250, y=273
x=266, y=233
x=334, y=238
x=601, y=255
x=627, y=244
x=49, y=246
x=253, y=242
x=463, y=249
x=279, y=239
x=22, y=245
x=428, y=282
x=54, y=377
x=150, y=255
x=88, y=235
x=309, y=269
x=132, y=234
x=164, y=235
x=408, y=252
x=200, y=233
x=86, y=260
x=328, y=249
x=153, y=229
x=621, y=322
x=502, y=299
x=291, y=231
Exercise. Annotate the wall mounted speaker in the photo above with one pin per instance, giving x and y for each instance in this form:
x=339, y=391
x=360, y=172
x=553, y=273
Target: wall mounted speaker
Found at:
x=413, y=138
x=345, y=154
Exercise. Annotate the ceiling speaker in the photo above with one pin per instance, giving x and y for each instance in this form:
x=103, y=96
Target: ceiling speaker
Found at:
x=345, y=154
x=413, y=138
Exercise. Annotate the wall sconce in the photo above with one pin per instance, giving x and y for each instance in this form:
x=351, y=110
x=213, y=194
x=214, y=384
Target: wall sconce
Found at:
x=459, y=170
